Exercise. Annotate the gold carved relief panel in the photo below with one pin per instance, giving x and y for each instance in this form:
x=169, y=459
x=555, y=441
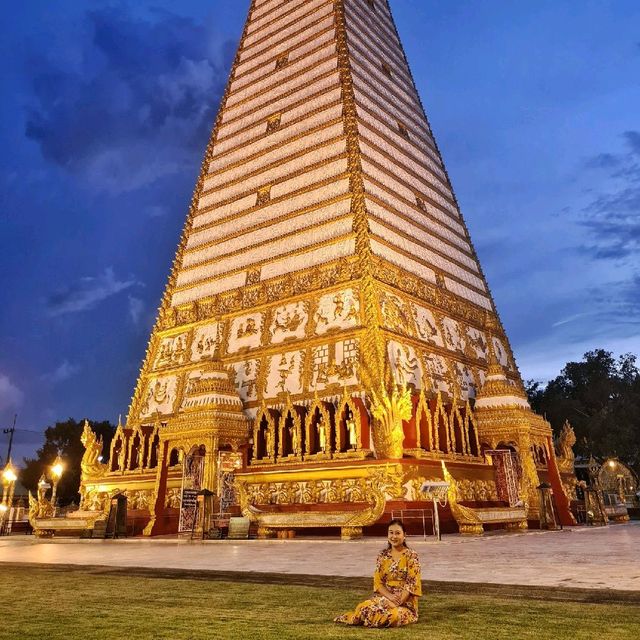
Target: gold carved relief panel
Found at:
x=476, y=344
x=397, y=315
x=246, y=375
x=466, y=380
x=427, y=326
x=172, y=351
x=405, y=364
x=160, y=396
x=335, y=365
x=284, y=374
x=206, y=342
x=289, y=322
x=437, y=369
x=501, y=353
x=453, y=335
x=337, y=310
x=245, y=332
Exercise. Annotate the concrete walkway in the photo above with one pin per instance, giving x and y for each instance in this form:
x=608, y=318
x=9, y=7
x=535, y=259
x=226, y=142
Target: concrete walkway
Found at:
x=586, y=557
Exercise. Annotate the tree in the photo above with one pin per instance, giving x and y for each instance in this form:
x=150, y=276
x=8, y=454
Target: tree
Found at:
x=64, y=439
x=600, y=396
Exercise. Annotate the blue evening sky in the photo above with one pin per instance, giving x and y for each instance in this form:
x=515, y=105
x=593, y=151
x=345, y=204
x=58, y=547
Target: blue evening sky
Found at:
x=106, y=111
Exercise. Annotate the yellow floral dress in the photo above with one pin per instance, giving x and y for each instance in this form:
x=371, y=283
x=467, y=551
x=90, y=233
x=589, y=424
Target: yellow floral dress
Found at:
x=398, y=575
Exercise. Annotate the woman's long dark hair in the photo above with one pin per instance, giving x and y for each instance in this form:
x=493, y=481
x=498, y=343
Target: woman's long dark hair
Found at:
x=398, y=522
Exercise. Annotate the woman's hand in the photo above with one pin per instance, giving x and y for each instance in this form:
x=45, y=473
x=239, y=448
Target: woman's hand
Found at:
x=394, y=599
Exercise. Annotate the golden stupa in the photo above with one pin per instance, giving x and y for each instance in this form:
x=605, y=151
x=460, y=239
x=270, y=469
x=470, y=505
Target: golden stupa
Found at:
x=327, y=336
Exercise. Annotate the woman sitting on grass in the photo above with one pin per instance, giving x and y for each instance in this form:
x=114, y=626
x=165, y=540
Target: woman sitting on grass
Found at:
x=396, y=585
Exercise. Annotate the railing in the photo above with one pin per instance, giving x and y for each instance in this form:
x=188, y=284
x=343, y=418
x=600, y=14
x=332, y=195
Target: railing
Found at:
x=416, y=515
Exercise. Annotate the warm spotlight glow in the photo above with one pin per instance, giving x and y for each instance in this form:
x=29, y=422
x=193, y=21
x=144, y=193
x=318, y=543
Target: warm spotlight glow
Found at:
x=3, y=508
x=57, y=468
x=612, y=463
x=9, y=475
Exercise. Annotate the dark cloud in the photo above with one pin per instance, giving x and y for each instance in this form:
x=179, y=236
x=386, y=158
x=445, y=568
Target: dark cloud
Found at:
x=87, y=293
x=615, y=225
x=633, y=140
x=613, y=218
x=603, y=161
x=631, y=298
x=140, y=104
x=617, y=303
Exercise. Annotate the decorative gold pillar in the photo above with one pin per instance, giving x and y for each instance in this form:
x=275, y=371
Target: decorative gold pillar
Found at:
x=530, y=479
x=211, y=464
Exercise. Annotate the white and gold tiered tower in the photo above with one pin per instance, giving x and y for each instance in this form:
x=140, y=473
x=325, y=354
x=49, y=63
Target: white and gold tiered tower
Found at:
x=326, y=310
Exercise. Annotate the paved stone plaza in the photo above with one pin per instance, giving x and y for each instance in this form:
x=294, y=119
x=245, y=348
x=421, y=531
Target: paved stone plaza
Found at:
x=586, y=557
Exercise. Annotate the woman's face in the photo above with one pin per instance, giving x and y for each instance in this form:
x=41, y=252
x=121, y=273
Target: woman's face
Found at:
x=396, y=536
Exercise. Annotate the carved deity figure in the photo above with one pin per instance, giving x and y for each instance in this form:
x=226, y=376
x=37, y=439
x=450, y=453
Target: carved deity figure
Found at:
x=407, y=366
x=322, y=435
x=287, y=321
x=565, y=444
x=173, y=499
x=427, y=329
x=341, y=372
x=295, y=442
x=157, y=394
x=206, y=344
x=248, y=329
x=246, y=379
x=96, y=501
x=285, y=370
x=312, y=492
x=453, y=337
x=501, y=356
x=268, y=442
x=479, y=344
x=352, y=436
x=437, y=368
x=179, y=349
x=397, y=316
x=121, y=456
x=338, y=309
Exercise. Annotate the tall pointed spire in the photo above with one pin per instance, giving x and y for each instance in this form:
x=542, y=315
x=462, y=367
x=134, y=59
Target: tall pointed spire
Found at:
x=324, y=246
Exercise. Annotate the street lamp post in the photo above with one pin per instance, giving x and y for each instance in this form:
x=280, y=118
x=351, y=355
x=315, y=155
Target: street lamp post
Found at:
x=9, y=478
x=57, y=468
x=3, y=513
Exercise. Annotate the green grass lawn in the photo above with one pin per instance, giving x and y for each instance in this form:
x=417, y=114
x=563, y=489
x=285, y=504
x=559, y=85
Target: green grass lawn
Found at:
x=83, y=604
